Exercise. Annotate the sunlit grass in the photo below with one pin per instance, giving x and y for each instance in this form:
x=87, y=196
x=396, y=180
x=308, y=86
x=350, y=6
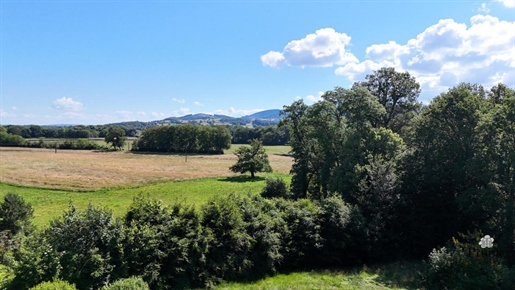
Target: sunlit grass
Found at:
x=51, y=203
x=372, y=279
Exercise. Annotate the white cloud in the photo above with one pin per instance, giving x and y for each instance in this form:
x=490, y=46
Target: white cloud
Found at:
x=324, y=48
x=311, y=99
x=6, y=114
x=273, y=59
x=236, y=112
x=141, y=113
x=14, y=108
x=484, y=8
x=182, y=101
x=67, y=104
x=446, y=54
x=198, y=103
x=507, y=3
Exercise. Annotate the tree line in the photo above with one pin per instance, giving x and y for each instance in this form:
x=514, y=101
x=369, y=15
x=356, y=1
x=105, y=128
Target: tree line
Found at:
x=422, y=177
x=69, y=132
x=185, y=138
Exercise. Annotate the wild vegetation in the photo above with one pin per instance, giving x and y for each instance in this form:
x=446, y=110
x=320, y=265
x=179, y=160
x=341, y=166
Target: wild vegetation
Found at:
x=376, y=178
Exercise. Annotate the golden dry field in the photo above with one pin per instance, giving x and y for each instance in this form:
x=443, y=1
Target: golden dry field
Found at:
x=90, y=170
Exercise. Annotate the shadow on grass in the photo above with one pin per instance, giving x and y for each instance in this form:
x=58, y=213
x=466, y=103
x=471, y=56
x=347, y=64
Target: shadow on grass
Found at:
x=405, y=274
x=241, y=178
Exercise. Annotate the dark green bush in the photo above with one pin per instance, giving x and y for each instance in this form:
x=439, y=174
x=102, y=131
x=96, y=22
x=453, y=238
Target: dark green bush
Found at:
x=229, y=249
x=15, y=214
x=265, y=226
x=300, y=240
x=465, y=265
x=132, y=283
x=165, y=245
x=342, y=233
x=275, y=187
x=88, y=246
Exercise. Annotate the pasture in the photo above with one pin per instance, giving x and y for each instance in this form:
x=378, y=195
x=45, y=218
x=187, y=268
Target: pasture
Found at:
x=52, y=181
x=92, y=170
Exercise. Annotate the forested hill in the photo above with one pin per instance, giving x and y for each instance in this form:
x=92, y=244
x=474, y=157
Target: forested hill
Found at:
x=263, y=118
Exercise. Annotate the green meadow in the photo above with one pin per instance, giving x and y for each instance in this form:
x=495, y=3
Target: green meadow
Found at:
x=51, y=203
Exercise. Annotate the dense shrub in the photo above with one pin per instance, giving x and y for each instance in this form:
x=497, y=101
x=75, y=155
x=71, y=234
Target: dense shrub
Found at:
x=15, y=214
x=465, y=265
x=55, y=285
x=87, y=245
x=166, y=246
x=7, y=139
x=343, y=234
x=300, y=241
x=132, y=283
x=275, y=187
x=265, y=226
x=229, y=249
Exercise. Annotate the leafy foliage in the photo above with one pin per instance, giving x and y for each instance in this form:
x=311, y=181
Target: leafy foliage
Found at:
x=251, y=159
x=54, y=285
x=275, y=187
x=15, y=214
x=185, y=138
x=132, y=283
x=116, y=136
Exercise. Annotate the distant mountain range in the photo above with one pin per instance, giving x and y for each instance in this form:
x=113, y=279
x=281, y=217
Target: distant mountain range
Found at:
x=263, y=118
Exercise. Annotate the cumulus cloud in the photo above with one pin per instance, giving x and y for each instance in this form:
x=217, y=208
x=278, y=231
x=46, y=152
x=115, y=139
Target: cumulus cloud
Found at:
x=311, y=99
x=141, y=113
x=231, y=111
x=6, y=114
x=507, y=3
x=67, y=104
x=446, y=54
x=198, y=103
x=324, y=48
x=182, y=101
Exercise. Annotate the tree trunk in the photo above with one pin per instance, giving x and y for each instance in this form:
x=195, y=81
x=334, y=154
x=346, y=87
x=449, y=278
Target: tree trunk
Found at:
x=252, y=174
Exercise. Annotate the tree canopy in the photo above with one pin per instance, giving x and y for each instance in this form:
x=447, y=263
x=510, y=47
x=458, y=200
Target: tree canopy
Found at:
x=251, y=159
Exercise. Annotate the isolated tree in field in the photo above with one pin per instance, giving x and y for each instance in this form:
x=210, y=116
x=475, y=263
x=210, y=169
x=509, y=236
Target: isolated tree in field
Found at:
x=251, y=159
x=116, y=136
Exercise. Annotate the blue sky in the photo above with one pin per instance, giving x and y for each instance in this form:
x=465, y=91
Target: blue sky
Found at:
x=97, y=62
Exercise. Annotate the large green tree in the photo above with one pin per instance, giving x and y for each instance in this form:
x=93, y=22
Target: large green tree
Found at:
x=251, y=159
x=397, y=92
x=116, y=136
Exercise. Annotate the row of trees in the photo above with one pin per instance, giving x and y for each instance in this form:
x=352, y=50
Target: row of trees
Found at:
x=270, y=135
x=418, y=174
x=177, y=247
x=187, y=138
x=79, y=131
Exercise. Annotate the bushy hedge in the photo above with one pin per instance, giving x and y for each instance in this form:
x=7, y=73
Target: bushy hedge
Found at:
x=234, y=237
x=465, y=265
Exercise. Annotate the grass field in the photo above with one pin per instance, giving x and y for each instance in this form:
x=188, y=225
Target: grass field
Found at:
x=90, y=170
x=51, y=203
x=51, y=181
x=398, y=275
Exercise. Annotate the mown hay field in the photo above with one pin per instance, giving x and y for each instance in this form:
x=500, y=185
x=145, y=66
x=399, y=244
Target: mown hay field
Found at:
x=91, y=170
